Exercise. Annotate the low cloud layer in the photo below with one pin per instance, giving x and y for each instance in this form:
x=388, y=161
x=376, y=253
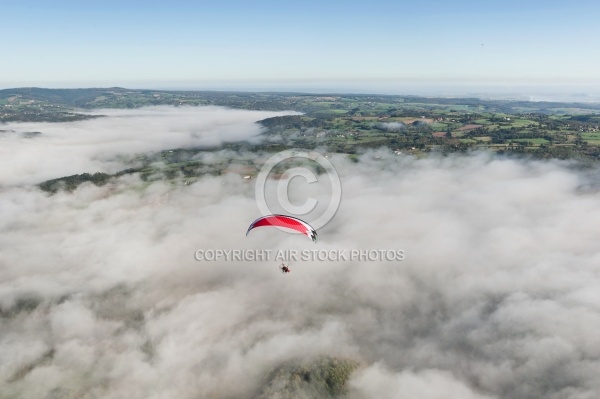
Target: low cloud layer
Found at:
x=100, y=145
x=393, y=126
x=497, y=297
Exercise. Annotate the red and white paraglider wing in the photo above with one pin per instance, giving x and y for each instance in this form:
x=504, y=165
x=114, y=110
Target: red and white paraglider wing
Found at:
x=287, y=222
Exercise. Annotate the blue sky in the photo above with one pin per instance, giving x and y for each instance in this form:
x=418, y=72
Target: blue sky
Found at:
x=196, y=43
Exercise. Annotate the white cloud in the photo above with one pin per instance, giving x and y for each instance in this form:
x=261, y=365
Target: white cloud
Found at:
x=96, y=145
x=101, y=295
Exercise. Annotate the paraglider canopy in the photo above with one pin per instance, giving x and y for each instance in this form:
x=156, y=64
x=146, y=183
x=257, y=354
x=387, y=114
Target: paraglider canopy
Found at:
x=288, y=222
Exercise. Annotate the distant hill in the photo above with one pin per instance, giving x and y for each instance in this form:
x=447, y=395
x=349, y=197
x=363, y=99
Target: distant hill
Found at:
x=118, y=97
x=67, y=97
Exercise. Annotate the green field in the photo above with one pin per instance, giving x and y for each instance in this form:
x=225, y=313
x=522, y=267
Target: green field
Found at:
x=591, y=138
x=535, y=141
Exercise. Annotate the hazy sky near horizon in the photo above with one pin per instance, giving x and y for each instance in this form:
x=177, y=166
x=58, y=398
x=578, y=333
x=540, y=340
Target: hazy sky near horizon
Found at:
x=179, y=43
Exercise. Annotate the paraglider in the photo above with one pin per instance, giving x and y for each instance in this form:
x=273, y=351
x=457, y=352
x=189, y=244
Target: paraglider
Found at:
x=288, y=222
